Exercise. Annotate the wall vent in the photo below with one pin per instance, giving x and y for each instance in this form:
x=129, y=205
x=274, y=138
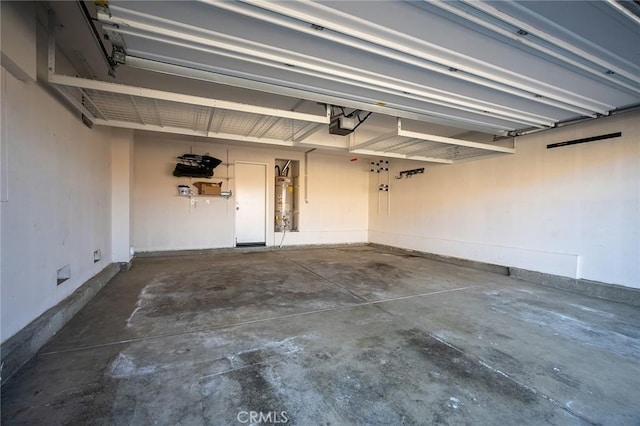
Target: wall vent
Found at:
x=63, y=274
x=584, y=140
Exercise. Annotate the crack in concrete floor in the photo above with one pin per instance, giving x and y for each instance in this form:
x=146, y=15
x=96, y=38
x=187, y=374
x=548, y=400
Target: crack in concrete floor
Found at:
x=346, y=335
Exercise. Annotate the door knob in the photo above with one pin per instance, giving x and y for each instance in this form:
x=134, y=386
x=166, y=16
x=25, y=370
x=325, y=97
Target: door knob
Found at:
x=237, y=208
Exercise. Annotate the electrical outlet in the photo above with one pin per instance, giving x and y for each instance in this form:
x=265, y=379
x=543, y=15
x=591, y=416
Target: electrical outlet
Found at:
x=97, y=256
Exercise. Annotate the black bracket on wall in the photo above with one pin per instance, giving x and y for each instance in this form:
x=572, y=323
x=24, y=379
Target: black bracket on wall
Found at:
x=409, y=173
x=584, y=140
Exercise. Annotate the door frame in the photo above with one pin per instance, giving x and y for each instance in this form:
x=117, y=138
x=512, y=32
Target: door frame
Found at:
x=266, y=198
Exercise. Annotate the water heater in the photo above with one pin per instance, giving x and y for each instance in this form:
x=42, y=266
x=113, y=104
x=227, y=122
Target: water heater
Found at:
x=284, y=204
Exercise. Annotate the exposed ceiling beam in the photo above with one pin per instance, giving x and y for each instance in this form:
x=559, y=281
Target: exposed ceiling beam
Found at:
x=181, y=98
x=215, y=43
x=429, y=64
x=333, y=98
x=190, y=132
x=360, y=29
x=452, y=141
x=594, y=58
x=625, y=11
x=530, y=39
x=401, y=156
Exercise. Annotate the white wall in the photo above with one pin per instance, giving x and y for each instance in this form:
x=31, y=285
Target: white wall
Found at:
x=337, y=207
x=18, y=38
x=572, y=211
x=337, y=211
x=58, y=209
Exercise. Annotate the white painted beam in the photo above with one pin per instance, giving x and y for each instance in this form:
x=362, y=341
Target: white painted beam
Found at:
x=458, y=142
x=401, y=156
x=368, y=104
x=528, y=40
x=180, y=98
x=400, y=56
x=261, y=54
x=360, y=29
x=624, y=11
x=451, y=141
x=190, y=132
x=597, y=59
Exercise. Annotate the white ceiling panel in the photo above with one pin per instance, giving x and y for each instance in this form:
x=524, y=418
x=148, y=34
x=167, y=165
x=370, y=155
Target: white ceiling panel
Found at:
x=427, y=32
x=471, y=113
x=602, y=29
x=495, y=68
x=255, y=61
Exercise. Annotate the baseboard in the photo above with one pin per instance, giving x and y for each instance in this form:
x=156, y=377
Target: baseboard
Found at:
x=600, y=290
x=23, y=345
x=241, y=249
x=489, y=267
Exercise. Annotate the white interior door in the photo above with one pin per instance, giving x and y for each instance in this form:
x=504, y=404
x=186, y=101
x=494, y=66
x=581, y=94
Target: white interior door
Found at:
x=251, y=203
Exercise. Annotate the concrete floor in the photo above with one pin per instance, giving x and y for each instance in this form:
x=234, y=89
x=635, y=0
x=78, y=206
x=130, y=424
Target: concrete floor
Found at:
x=350, y=335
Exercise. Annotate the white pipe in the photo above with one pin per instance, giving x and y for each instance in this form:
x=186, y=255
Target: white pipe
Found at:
x=123, y=89
x=306, y=175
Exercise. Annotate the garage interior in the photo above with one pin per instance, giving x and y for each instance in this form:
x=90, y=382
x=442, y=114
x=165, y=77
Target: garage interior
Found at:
x=320, y=212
